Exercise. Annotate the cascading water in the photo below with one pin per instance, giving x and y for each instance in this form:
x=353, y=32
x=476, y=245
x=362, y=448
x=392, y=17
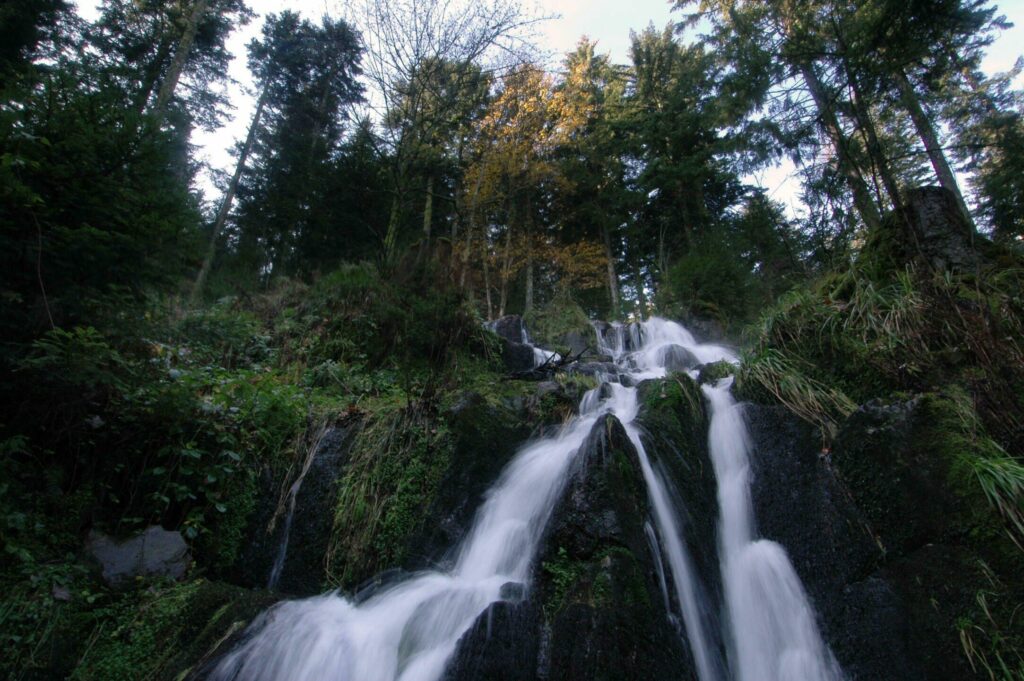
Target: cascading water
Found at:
x=408, y=631
x=774, y=636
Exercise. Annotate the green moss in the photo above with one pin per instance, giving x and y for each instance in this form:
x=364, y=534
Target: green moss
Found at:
x=673, y=405
x=549, y=324
x=396, y=465
x=161, y=632
x=610, y=579
x=710, y=373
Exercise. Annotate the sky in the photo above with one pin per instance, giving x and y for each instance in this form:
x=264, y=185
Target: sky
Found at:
x=608, y=22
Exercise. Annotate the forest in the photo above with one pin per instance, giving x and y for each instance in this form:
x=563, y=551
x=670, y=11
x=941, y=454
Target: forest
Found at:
x=182, y=357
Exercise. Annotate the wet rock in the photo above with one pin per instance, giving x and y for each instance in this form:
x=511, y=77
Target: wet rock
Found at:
x=309, y=535
x=597, y=580
x=510, y=327
x=594, y=610
x=676, y=358
x=485, y=438
x=513, y=591
x=594, y=368
x=502, y=645
x=715, y=371
x=518, y=357
x=800, y=503
x=673, y=424
x=156, y=552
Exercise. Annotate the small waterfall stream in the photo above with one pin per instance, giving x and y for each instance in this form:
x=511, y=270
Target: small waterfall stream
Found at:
x=409, y=630
x=774, y=636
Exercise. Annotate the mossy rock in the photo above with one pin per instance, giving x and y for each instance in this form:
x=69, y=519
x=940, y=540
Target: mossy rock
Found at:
x=948, y=554
x=595, y=610
x=674, y=426
x=550, y=325
x=715, y=371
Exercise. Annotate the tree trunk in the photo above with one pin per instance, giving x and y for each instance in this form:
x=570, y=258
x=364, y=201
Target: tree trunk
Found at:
x=428, y=209
x=152, y=75
x=613, y=277
x=930, y=140
x=474, y=219
x=847, y=164
x=528, y=303
x=506, y=273
x=188, y=37
x=641, y=296
x=391, y=237
x=229, y=195
x=875, y=150
x=487, y=273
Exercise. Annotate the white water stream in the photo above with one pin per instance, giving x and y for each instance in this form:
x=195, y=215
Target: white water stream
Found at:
x=408, y=631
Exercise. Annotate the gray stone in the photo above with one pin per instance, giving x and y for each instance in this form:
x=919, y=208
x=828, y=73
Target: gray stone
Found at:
x=154, y=553
x=510, y=327
x=939, y=230
x=678, y=358
x=518, y=357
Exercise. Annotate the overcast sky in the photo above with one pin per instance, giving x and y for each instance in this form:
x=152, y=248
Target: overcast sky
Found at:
x=606, y=21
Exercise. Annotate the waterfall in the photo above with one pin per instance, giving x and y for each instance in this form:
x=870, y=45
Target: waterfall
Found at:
x=409, y=630
x=773, y=633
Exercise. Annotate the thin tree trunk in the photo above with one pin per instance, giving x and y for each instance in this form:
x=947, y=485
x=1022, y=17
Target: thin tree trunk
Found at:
x=613, y=277
x=229, y=195
x=847, y=164
x=931, y=141
x=641, y=296
x=874, y=145
x=474, y=219
x=188, y=37
x=391, y=237
x=428, y=209
x=506, y=273
x=528, y=303
x=487, y=273
x=152, y=75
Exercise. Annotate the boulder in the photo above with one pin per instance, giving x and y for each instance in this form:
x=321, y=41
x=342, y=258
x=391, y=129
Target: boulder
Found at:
x=676, y=358
x=156, y=552
x=510, y=327
x=579, y=343
x=518, y=357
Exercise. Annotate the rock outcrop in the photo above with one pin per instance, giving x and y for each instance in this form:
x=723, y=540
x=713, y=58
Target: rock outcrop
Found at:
x=595, y=610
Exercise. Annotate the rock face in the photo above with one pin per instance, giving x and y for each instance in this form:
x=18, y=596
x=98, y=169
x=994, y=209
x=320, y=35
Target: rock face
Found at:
x=941, y=234
x=595, y=610
x=156, y=552
x=486, y=438
x=800, y=503
x=674, y=424
x=303, y=570
x=943, y=544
